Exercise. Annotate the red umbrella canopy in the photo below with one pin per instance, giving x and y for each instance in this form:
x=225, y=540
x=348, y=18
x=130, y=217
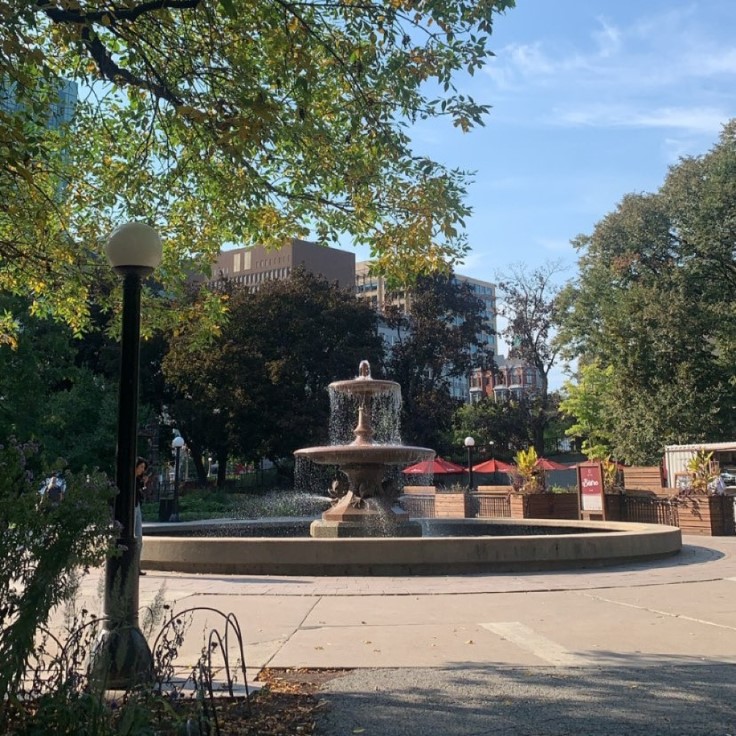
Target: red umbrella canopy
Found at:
x=438, y=466
x=493, y=466
x=544, y=464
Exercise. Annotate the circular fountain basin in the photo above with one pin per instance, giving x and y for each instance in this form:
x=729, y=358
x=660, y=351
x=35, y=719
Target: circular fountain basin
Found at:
x=476, y=546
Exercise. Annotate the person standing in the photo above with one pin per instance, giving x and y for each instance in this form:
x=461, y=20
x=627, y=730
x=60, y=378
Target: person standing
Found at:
x=141, y=481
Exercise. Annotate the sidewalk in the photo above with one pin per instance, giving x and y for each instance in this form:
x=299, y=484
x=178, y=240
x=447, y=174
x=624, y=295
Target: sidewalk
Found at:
x=644, y=648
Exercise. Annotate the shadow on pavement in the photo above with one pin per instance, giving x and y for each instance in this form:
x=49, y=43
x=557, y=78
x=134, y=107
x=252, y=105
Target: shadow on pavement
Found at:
x=647, y=696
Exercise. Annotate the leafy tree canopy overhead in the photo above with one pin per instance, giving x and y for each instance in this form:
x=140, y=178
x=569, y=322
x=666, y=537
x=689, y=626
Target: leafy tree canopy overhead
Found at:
x=228, y=121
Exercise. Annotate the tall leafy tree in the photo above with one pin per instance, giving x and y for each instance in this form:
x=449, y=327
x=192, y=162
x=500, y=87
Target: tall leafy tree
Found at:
x=227, y=121
x=587, y=402
x=528, y=302
x=260, y=388
x=438, y=339
x=654, y=307
x=50, y=396
x=500, y=425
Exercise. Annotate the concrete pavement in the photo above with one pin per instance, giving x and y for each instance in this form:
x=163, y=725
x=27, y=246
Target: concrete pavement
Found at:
x=644, y=648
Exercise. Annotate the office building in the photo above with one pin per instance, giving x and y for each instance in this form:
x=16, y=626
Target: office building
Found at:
x=373, y=289
x=252, y=266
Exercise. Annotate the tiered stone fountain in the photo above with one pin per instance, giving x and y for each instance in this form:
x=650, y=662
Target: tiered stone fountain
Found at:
x=366, y=533
x=369, y=507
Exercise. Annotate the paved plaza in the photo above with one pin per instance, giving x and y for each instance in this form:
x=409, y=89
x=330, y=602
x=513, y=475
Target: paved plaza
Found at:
x=645, y=648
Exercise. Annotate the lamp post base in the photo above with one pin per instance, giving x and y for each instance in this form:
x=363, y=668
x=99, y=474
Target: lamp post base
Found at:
x=122, y=659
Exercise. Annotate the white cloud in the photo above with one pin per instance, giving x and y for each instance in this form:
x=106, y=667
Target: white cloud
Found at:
x=701, y=120
x=472, y=261
x=530, y=60
x=608, y=39
x=556, y=245
x=654, y=57
x=707, y=62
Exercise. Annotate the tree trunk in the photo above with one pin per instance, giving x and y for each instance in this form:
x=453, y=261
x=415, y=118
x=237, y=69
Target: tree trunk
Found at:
x=221, y=468
x=195, y=452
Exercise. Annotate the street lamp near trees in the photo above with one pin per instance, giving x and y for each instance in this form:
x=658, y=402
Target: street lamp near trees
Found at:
x=469, y=445
x=176, y=444
x=122, y=657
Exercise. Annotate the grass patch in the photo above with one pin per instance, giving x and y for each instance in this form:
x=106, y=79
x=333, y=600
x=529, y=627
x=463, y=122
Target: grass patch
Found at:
x=202, y=505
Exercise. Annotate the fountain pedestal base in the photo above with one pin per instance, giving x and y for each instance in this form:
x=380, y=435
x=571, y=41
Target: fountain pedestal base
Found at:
x=353, y=517
x=322, y=529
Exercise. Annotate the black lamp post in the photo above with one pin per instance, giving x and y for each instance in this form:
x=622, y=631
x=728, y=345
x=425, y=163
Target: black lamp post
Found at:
x=176, y=444
x=470, y=444
x=122, y=657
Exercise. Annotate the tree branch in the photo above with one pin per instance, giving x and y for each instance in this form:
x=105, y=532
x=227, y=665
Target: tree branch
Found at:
x=116, y=74
x=67, y=15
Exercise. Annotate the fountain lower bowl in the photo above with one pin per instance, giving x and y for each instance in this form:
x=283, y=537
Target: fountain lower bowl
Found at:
x=470, y=546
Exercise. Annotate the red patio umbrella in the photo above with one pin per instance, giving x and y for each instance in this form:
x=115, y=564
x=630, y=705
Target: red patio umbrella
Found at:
x=438, y=466
x=544, y=464
x=493, y=466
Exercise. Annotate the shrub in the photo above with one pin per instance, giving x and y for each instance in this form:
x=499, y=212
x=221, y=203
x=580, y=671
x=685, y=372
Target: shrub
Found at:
x=42, y=546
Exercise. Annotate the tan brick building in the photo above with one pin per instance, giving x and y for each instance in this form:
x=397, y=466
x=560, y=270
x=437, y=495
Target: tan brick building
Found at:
x=253, y=265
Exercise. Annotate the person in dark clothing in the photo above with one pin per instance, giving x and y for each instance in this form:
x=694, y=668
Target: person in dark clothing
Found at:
x=141, y=481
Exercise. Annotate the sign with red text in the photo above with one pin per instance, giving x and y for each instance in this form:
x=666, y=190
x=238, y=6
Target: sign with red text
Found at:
x=590, y=487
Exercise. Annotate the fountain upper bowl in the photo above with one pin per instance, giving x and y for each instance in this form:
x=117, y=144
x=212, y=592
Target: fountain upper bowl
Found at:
x=365, y=386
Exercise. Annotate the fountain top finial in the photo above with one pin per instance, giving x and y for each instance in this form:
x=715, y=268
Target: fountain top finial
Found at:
x=365, y=385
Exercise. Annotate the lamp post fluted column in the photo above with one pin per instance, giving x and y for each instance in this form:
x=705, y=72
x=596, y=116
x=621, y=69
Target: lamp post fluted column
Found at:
x=470, y=444
x=122, y=657
x=177, y=444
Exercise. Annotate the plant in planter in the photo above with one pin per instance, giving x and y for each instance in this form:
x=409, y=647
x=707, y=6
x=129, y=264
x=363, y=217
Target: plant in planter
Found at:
x=611, y=482
x=704, y=474
x=701, y=508
x=526, y=477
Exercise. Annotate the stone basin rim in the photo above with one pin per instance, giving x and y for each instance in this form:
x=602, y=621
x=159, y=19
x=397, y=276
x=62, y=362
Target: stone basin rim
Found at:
x=604, y=543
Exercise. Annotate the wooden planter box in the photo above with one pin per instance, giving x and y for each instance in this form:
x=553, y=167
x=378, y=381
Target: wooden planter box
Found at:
x=452, y=505
x=711, y=516
x=544, y=506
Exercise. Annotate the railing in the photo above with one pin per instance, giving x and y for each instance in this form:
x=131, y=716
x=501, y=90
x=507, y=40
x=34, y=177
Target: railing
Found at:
x=650, y=510
x=418, y=507
x=493, y=506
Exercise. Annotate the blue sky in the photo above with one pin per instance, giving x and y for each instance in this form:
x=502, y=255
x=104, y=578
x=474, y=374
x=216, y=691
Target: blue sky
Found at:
x=592, y=99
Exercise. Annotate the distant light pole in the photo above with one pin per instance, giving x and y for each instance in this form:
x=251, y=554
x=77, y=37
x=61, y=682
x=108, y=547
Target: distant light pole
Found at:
x=176, y=444
x=470, y=444
x=491, y=443
x=122, y=657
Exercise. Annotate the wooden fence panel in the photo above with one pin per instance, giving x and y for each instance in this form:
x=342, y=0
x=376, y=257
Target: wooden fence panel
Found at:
x=643, y=478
